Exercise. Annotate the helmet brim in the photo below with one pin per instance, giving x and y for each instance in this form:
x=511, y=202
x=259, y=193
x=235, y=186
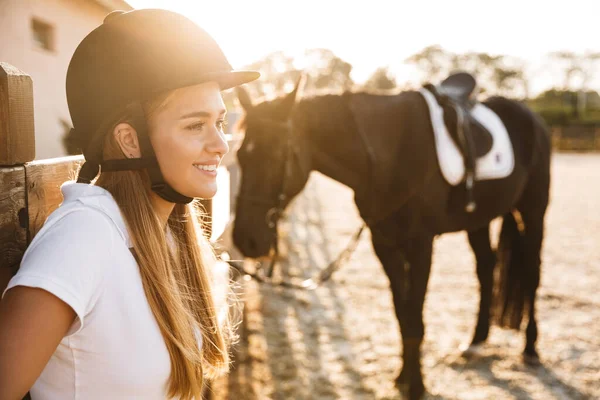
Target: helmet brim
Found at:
x=230, y=79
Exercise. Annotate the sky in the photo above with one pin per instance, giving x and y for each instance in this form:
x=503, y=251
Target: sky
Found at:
x=378, y=33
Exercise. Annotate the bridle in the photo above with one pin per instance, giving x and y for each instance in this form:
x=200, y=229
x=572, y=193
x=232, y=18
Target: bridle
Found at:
x=276, y=207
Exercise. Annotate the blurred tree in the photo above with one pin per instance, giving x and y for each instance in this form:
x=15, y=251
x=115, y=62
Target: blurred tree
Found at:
x=554, y=105
x=495, y=74
x=434, y=62
x=507, y=81
x=276, y=69
x=325, y=72
x=380, y=80
x=578, y=70
x=576, y=65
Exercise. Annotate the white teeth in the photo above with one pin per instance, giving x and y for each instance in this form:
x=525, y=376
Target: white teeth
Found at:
x=210, y=168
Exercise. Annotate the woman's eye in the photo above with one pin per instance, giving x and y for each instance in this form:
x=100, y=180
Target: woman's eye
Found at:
x=196, y=127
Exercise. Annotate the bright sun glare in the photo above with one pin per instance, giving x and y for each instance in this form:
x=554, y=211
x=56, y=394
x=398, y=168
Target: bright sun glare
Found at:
x=376, y=33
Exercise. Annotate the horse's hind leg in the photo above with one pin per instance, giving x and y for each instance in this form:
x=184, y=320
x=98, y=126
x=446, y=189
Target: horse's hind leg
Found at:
x=408, y=282
x=486, y=260
x=533, y=236
x=533, y=206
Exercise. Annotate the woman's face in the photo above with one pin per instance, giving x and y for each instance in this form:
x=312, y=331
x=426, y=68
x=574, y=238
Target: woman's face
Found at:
x=187, y=137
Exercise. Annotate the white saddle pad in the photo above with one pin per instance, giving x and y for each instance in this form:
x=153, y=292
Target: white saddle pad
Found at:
x=496, y=164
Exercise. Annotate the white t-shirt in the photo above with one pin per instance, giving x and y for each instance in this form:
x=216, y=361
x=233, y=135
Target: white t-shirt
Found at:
x=114, y=349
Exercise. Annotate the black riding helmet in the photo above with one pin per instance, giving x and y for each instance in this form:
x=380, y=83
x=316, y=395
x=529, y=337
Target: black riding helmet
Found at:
x=127, y=60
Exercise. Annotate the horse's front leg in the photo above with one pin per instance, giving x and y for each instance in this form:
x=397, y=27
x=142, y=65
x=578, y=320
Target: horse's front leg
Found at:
x=407, y=266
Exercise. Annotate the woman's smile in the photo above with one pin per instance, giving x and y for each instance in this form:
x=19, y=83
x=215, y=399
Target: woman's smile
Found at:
x=207, y=169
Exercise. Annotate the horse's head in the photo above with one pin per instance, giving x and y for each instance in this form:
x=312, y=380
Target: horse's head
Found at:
x=274, y=158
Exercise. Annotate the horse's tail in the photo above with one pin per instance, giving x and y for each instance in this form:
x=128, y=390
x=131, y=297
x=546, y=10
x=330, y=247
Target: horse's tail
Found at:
x=510, y=292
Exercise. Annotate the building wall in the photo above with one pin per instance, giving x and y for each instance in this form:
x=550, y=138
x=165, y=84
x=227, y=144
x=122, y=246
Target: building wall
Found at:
x=70, y=20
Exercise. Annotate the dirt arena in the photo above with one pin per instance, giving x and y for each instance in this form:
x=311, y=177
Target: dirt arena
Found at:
x=342, y=341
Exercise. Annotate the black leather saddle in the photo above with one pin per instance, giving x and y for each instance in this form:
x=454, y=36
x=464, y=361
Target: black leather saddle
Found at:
x=454, y=96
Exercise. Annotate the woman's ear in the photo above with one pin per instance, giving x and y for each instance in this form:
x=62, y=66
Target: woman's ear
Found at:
x=127, y=139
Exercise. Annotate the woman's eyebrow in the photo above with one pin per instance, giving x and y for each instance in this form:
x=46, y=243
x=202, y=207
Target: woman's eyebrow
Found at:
x=197, y=114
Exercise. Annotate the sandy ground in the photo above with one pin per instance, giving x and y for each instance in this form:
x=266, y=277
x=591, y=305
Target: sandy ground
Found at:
x=342, y=341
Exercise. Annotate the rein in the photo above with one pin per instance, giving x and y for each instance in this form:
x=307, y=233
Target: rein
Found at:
x=308, y=284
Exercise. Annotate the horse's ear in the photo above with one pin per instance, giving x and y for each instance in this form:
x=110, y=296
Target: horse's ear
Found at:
x=299, y=85
x=290, y=99
x=244, y=98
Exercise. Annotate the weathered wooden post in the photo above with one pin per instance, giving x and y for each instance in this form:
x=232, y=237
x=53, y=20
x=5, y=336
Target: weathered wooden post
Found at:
x=17, y=147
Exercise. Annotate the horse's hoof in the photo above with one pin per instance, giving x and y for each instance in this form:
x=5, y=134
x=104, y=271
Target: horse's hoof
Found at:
x=408, y=391
x=416, y=392
x=402, y=387
x=402, y=383
x=531, y=358
x=472, y=351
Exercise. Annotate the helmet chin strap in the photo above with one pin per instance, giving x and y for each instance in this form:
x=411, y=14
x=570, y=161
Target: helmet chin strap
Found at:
x=148, y=161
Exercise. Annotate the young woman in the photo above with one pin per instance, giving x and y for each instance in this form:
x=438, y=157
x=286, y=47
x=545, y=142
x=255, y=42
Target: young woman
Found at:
x=113, y=298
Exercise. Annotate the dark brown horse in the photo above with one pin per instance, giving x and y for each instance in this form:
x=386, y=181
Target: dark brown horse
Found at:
x=382, y=147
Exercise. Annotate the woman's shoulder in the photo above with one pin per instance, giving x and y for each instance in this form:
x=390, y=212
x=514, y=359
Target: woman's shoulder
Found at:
x=76, y=225
x=72, y=253
x=87, y=212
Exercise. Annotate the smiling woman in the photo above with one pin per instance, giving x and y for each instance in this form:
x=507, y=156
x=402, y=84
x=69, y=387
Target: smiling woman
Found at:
x=114, y=297
x=186, y=131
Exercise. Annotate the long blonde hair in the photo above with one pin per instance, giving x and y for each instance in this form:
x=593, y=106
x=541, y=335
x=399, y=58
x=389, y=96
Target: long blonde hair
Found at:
x=177, y=279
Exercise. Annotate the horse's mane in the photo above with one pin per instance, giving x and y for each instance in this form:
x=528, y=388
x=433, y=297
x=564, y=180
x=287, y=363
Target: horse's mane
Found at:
x=330, y=113
x=314, y=111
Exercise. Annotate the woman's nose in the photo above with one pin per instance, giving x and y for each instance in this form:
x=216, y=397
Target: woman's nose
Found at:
x=219, y=143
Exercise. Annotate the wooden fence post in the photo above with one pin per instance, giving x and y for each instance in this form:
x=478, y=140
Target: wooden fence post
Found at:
x=17, y=146
x=17, y=138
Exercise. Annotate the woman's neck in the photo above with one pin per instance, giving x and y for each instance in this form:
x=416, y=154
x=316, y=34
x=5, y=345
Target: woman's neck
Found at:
x=162, y=207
